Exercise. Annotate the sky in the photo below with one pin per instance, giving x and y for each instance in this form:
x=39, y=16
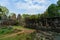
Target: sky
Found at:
x=27, y=6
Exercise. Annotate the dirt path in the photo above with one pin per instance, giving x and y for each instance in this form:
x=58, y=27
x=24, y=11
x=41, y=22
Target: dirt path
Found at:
x=14, y=34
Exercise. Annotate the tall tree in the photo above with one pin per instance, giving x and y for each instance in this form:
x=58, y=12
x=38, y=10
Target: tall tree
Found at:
x=58, y=3
x=3, y=10
x=58, y=7
x=52, y=10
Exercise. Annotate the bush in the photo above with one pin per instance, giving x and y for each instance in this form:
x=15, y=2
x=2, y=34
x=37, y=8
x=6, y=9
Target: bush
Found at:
x=5, y=30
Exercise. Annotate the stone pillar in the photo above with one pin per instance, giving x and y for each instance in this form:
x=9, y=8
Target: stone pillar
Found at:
x=47, y=23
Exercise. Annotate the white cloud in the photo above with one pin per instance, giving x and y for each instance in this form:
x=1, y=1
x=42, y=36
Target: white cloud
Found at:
x=40, y=1
x=30, y=8
x=27, y=6
x=4, y=2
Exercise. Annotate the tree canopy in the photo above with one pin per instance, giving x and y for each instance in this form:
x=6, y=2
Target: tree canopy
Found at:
x=58, y=3
x=52, y=10
x=3, y=10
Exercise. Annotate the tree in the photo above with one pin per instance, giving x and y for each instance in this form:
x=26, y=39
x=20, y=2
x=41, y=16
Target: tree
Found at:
x=58, y=3
x=58, y=7
x=3, y=10
x=25, y=15
x=52, y=10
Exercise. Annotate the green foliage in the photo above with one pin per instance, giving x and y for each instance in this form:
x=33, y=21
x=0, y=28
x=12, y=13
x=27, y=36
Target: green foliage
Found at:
x=33, y=16
x=3, y=10
x=52, y=10
x=58, y=3
x=25, y=16
x=5, y=30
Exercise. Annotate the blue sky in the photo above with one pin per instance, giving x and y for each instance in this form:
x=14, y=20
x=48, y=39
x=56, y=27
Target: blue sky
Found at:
x=27, y=6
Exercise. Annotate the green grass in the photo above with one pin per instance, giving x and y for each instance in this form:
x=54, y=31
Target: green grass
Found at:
x=23, y=36
x=5, y=30
x=21, y=27
x=19, y=37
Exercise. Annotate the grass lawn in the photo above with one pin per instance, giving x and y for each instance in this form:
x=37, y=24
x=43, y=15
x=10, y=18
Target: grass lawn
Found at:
x=23, y=36
x=5, y=30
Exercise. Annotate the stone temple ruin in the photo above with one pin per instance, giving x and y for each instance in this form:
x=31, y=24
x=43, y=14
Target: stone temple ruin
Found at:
x=48, y=23
x=52, y=23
